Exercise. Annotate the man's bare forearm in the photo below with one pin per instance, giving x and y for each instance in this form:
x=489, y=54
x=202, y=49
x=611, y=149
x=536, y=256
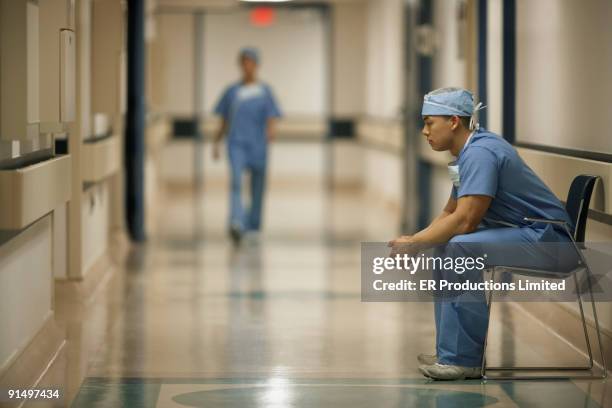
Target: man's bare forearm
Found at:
x=464, y=219
x=440, y=217
x=442, y=229
x=271, y=129
x=221, y=132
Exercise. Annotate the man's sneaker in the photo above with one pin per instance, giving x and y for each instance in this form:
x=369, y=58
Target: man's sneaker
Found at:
x=427, y=359
x=449, y=372
x=252, y=237
x=235, y=234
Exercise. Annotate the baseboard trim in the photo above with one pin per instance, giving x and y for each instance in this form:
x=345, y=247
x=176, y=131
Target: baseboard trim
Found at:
x=33, y=362
x=83, y=290
x=555, y=316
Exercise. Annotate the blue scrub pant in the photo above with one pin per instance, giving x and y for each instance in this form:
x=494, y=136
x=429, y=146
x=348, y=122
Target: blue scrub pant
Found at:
x=241, y=159
x=462, y=320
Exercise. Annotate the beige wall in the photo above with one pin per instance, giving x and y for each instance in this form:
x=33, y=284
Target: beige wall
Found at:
x=380, y=133
x=173, y=75
x=19, y=70
x=60, y=242
x=26, y=283
x=83, y=32
x=384, y=80
x=450, y=65
x=298, y=75
x=349, y=62
x=494, y=66
x=380, y=159
x=293, y=57
x=108, y=44
x=564, y=92
x=95, y=224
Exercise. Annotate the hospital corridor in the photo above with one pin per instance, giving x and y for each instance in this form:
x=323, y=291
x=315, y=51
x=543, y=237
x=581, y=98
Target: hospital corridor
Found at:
x=300, y=203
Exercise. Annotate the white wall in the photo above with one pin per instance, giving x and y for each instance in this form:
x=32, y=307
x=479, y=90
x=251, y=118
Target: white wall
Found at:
x=26, y=280
x=293, y=57
x=450, y=63
x=348, y=159
x=173, y=74
x=95, y=225
x=349, y=58
x=384, y=79
x=564, y=61
x=495, y=61
x=382, y=172
x=380, y=131
x=450, y=69
x=60, y=241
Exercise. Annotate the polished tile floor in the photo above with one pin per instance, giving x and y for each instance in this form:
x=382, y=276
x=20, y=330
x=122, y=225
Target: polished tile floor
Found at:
x=188, y=321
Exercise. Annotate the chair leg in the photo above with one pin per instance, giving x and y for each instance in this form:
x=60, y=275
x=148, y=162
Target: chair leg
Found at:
x=584, y=324
x=597, y=329
x=589, y=368
x=559, y=368
x=483, y=367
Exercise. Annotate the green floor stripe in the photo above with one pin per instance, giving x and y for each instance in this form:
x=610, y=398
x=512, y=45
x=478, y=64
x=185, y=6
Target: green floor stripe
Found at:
x=308, y=392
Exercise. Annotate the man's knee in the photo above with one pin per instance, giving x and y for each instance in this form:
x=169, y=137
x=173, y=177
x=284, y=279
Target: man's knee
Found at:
x=465, y=245
x=463, y=238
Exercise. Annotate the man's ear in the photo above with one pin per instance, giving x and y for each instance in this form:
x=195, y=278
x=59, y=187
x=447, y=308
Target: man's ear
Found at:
x=454, y=122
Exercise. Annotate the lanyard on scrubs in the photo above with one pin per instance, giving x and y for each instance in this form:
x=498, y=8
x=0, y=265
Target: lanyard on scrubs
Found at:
x=453, y=167
x=467, y=142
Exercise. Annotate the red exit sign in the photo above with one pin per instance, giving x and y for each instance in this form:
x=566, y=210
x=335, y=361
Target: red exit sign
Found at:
x=262, y=16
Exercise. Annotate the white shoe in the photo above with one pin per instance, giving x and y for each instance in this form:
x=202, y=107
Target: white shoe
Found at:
x=252, y=237
x=449, y=372
x=427, y=359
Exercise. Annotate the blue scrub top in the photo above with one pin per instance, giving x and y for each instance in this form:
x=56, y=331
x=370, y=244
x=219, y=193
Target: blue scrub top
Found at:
x=247, y=109
x=490, y=166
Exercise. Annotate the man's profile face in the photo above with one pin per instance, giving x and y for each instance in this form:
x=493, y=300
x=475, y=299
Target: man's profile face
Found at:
x=438, y=131
x=248, y=67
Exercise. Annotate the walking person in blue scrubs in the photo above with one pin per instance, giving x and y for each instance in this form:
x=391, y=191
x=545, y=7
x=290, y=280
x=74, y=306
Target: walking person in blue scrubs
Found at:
x=493, y=191
x=248, y=110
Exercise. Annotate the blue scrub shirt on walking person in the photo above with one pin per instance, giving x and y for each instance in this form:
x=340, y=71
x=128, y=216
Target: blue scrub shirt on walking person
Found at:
x=247, y=109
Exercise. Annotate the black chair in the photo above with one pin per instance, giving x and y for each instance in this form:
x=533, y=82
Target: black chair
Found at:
x=577, y=206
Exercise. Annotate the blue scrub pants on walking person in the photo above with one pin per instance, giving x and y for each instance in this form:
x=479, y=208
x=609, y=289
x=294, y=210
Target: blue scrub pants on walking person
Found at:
x=462, y=320
x=241, y=159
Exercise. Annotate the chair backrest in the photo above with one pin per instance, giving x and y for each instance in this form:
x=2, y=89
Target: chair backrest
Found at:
x=578, y=201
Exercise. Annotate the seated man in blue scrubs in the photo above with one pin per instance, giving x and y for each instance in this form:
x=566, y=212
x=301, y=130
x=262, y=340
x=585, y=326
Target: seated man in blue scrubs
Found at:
x=493, y=191
x=248, y=110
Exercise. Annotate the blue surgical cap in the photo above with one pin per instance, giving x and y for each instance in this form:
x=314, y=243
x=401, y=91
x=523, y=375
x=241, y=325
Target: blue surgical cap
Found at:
x=251, y=53
x=450, y=102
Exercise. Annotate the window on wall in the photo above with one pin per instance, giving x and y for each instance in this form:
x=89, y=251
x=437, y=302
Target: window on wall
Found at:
x=563, y=66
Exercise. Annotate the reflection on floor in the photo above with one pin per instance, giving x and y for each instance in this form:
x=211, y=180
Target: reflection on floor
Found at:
x=279, y=392
x=188, y=321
